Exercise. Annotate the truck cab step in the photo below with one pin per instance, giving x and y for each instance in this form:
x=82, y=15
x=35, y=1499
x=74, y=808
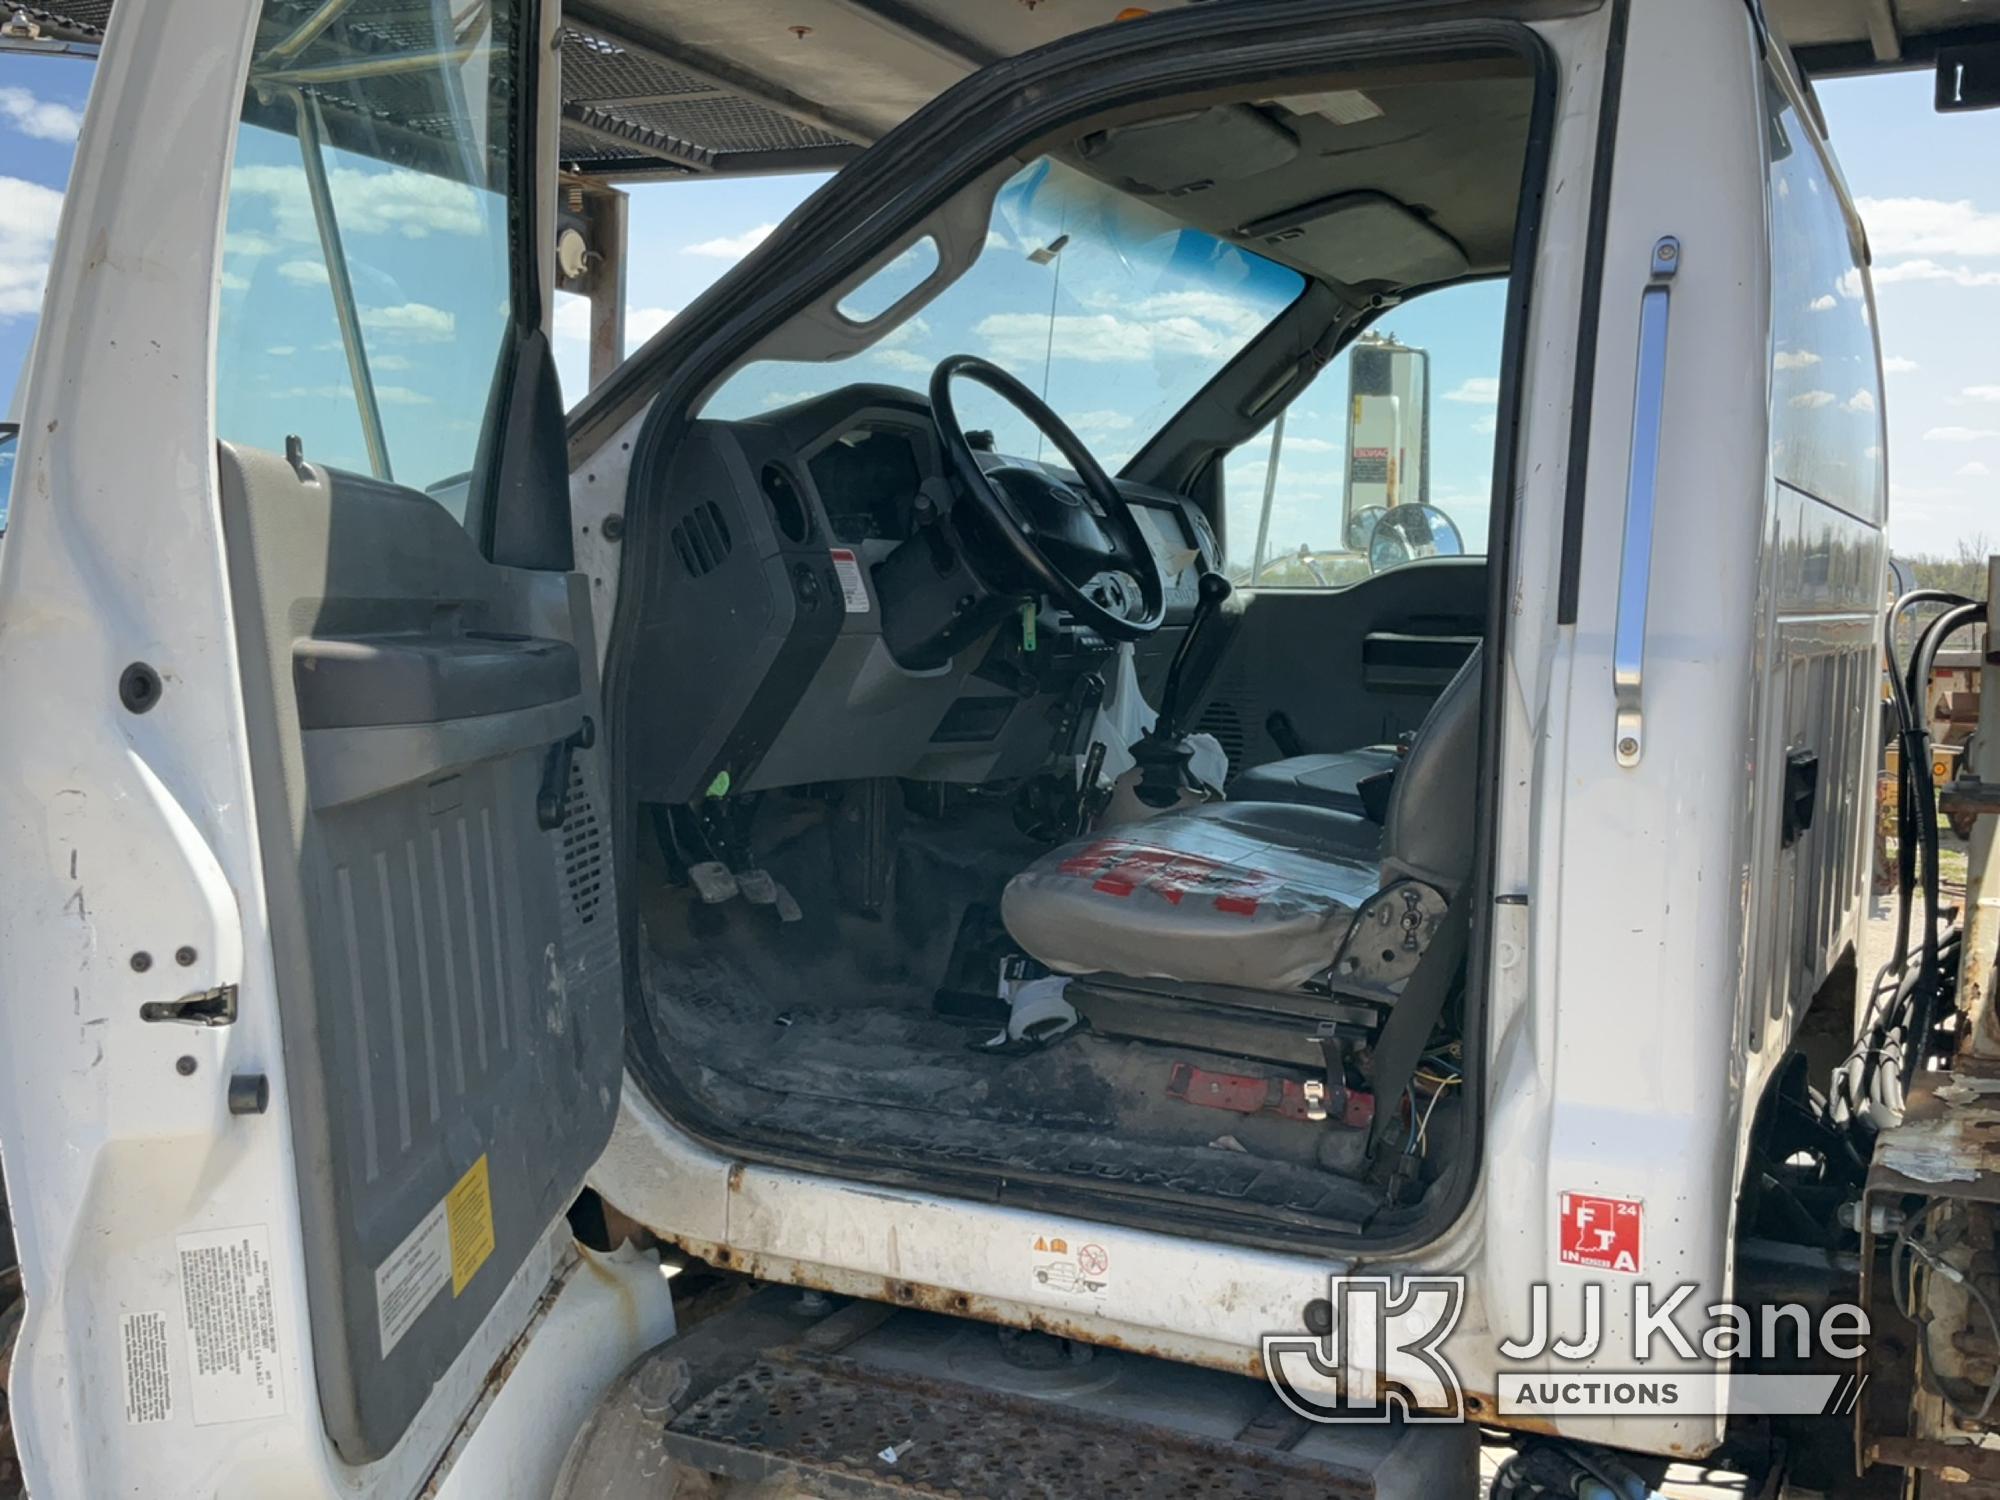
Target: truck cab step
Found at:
x=868, y=1401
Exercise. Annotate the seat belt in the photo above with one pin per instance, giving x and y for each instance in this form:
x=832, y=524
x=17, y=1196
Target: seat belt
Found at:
x=1401, y=1045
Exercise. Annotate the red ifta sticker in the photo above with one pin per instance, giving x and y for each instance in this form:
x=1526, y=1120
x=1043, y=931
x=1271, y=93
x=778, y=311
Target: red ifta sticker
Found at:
x=1600, y=1234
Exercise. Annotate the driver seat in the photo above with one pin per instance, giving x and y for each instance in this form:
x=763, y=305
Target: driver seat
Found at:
x=1268, y=895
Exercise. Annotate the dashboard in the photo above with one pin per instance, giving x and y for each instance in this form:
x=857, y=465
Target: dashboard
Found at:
x=867, y=451
x=779, y=600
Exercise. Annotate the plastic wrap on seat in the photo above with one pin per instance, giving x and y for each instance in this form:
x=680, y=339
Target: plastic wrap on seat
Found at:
x=1243, y=894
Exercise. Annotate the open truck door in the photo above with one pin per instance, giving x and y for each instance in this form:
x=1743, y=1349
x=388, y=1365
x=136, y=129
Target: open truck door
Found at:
x=315, y=1046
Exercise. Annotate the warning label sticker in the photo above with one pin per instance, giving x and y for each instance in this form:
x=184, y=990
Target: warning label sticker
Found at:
x=149, y=1387
x=1600, y=1234
x=853, y=587
x=447, y=1248
x=1071, y=1266
x=415, y=1272
x=232, y=1325
x=469, y=1206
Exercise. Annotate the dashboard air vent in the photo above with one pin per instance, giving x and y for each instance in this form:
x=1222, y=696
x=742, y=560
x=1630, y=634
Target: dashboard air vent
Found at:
x=701, y=539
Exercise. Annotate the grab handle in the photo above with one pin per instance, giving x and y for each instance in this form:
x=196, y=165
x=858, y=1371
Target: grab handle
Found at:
x=1635, y=567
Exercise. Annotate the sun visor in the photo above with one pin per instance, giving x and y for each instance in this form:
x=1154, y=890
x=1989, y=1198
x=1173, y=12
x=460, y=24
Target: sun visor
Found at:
x=1188, y=152
x=1357, y=238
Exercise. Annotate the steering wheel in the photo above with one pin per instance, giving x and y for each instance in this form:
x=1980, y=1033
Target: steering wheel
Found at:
x=1062, y=538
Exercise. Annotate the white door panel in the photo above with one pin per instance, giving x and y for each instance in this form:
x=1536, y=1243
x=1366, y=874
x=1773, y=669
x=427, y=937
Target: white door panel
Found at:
x=308, y=971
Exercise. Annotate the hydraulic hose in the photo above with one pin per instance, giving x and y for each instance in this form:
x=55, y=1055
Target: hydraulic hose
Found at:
x=1904, y=687
x=1895, y=1030
x=1918, y=742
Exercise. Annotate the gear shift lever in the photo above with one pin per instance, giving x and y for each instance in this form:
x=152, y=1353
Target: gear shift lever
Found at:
x=1163, y=752
x=1210, y=595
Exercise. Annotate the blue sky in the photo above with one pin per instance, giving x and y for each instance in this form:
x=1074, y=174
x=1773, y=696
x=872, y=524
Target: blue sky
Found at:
x=1928, y=191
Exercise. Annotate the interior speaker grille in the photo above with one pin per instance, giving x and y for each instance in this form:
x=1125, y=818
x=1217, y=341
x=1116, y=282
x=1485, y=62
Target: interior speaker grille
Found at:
x=582, y=848
x=1222, y=720
x=701, y=539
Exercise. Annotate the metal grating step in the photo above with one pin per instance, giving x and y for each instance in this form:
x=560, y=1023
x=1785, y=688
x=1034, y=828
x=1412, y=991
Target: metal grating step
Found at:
x=794, y=1394
x=824, y=1423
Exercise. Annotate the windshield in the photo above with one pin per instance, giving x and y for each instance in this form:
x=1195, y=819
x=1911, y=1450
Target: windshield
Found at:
x=1114, y=312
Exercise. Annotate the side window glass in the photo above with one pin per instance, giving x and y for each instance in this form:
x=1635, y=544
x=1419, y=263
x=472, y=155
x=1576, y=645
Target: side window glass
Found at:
x=43, y=88
x=1826, y=385
x=9, y=436
x=368, y=275
x=1387, y=458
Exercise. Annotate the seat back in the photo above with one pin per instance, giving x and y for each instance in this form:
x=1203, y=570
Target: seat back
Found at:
x=1428, y=833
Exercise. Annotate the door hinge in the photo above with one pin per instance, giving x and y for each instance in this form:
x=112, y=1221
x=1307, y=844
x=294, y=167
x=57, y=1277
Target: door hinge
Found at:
x=216, y=1007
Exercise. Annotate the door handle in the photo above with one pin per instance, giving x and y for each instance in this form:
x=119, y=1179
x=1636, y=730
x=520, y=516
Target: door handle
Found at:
x=1635, y=566
x=552, y=801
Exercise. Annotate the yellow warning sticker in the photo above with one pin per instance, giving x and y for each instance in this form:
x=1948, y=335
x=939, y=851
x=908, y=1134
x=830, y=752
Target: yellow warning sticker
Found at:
x=469, y=1208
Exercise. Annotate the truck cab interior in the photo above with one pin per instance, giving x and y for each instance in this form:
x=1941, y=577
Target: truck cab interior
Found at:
x=1043, y=769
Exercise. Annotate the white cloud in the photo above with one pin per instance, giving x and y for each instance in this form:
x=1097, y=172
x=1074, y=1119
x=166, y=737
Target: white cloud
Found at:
x=1096, y=338
x=414, y=205
x=1486, y=424
x=1480, y=390
x=41, y=119
x=282, y=351
x=785, y=398
x=570, y=334
x=1808, y=400
x=1973, y=470
x=1310, y=445
x=731, y=246
x=1895, y=364
x=1930, y=270
x=641, y=323
x=1960, y=434
x=28, y=213
x=906, y=360
x=1982, y=393
x=1849, y=285
x=1826, y=303
x=1238, y=320
x=1862, y=401
x=247, y=244
x=387, y=395
x=1929, y=226
x=412, y=320
x=1788, y=359
x=572, y=319
x=304, y=272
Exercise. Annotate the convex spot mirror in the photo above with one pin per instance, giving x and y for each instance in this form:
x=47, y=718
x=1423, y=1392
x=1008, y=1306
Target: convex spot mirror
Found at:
x=1408, y=532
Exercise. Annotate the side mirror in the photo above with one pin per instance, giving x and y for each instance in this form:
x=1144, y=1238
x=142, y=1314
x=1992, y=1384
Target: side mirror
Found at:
x=1968, y=78
x=1408, y=532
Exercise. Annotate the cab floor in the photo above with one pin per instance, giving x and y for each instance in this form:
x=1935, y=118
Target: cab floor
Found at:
x=826, y=1028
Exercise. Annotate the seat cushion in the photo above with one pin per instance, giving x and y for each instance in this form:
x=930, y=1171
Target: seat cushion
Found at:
x=1332, y=780
x=1242, y=893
